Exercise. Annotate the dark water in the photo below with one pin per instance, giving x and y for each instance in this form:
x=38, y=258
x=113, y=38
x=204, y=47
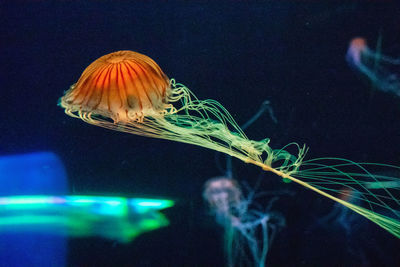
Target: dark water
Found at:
x=289, y=52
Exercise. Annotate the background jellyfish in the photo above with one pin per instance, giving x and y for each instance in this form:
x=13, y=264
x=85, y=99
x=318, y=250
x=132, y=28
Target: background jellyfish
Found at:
x=341, y=216
x=173, y=112
x=381, y=70
x=347, y=232
x=248, y=228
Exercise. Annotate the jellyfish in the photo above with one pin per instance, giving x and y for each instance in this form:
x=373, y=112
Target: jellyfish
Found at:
x=246, y=228
x=127, y=91
x=378, y=68
x=342, y=222
x=340, y=215
x=343, y=217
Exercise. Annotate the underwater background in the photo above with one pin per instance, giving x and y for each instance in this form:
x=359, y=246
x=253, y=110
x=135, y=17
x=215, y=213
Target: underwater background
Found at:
x=291, y=53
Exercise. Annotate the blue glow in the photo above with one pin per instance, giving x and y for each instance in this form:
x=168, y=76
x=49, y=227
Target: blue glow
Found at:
x=30, y=174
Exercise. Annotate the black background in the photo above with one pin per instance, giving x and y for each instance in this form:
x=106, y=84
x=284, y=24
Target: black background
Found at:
x=289, y=52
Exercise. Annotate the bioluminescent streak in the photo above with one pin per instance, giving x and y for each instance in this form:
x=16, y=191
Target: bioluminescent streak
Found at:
x=116, y=218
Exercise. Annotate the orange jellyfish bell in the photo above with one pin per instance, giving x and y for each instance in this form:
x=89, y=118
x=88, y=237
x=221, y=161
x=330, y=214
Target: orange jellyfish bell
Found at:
x=125, y=86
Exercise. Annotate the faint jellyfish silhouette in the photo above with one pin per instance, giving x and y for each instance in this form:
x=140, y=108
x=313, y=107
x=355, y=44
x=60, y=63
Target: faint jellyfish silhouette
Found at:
x=381, y=70
x=341, y=216
x=249, y=229
x=224, y=197
x=342, y=220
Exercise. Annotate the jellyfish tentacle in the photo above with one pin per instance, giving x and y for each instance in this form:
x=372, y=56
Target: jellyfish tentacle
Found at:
x=181, y=116
x=206, y=131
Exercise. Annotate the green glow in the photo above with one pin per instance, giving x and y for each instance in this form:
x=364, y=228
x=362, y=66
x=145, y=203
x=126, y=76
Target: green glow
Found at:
x=112, y=217
x=382, y=185
x=153, y=203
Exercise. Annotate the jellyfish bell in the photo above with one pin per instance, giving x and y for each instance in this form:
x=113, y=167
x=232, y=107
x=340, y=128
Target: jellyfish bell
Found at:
x=222, y=189
x=124, y=86
x=248, y=229
x=224, y=197
x=357, y=46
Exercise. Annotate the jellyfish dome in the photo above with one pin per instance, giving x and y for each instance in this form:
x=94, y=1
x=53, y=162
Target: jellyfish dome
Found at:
x=124, y=86
x=357, y=46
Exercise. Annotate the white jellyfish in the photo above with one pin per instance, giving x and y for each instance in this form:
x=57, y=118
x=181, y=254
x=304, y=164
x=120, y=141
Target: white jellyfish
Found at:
x=249, y=231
